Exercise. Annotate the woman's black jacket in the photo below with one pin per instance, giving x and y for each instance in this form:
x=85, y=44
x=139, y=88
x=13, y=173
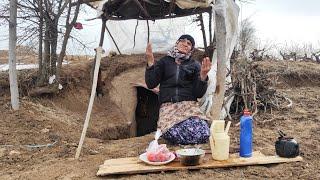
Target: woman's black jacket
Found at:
x=177, y=82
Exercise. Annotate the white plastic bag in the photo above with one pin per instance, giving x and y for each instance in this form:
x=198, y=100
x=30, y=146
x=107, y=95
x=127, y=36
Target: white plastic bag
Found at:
x=153, y=146
x=157, y=152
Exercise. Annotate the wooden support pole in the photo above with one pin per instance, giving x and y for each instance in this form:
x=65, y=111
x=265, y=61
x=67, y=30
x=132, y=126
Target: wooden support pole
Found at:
x=93, y=90
x=220, y=34
x=114, y=42
x=203, y=34
x=14, y=92
x=172, y=5
x=210, y=28
x=145, y=12
x=148, y=31
x=104, y=21
x=135, y=33
x=211, y=39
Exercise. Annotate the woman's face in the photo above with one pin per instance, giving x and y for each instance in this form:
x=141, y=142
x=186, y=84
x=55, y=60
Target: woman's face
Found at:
x=184, y=46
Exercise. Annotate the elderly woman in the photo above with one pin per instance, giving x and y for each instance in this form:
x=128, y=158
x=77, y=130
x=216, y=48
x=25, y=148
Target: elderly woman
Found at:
x=182, y=80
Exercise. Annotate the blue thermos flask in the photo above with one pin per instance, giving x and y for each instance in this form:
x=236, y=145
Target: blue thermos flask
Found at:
x=246, y=134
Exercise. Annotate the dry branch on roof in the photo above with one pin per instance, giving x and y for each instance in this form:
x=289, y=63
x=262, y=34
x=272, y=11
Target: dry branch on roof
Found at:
x=147, y=10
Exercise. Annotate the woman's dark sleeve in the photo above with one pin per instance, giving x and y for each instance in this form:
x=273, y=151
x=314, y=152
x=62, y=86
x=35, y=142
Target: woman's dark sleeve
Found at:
x=153, y=74
x=199, y=86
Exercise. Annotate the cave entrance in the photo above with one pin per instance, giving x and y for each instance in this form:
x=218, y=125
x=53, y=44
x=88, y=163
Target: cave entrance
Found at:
x=147, y=111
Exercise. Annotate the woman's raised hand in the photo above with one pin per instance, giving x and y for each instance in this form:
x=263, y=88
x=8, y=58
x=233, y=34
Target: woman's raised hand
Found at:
x=205, y=68
x=149, y=55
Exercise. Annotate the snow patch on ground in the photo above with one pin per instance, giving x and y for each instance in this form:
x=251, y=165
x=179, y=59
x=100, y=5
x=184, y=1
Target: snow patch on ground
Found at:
x=20, y=66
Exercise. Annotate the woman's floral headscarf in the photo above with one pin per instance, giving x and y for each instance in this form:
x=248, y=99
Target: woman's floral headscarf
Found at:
x=174, y=52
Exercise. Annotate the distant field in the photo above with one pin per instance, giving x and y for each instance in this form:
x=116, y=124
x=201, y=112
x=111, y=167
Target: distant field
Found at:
x=28, y=56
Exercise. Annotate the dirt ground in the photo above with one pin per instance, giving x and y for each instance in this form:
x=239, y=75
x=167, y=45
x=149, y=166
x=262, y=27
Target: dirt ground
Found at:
x=56, y=123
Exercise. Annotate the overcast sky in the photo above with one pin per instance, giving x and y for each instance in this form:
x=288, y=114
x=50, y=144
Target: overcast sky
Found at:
x=288, y=21
x=291, y=21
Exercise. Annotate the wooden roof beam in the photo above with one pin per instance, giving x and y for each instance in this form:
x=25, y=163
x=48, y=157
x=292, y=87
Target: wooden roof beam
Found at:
x=195, y=11
x=145, y=12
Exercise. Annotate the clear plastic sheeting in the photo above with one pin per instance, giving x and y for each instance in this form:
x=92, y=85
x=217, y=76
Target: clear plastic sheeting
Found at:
x=163, y=34
x=230, y=10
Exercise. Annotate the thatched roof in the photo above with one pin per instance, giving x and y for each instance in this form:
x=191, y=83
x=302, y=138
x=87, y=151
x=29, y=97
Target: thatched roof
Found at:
x=151, y=9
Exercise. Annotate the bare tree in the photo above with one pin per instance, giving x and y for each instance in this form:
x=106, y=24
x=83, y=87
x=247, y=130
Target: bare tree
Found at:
x=50, y=21
x=297, y=52
x=40, y=4
x=12, y=55
x=246, y=36
x=262, y=50
x=316, y=56
x=311, y=53
x=257, y=54
x=69, y=26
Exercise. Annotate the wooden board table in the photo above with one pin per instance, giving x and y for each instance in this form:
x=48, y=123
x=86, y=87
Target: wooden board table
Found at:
x=133, y=165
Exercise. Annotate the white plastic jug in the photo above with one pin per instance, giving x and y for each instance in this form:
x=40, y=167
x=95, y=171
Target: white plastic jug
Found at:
x=219, y=140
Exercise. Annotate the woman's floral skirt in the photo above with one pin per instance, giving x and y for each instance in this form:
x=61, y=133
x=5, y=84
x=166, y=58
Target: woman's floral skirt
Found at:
x=190, y=131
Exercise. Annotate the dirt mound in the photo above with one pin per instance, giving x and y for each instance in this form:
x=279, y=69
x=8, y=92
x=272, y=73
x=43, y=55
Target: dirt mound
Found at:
x=290, y=73
x=55, y=122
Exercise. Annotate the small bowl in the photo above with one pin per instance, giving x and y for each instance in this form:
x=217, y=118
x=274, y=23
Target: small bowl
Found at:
x=190, y=156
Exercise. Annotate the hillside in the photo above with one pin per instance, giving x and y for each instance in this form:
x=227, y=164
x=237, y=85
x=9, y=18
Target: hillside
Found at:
x=57, y=120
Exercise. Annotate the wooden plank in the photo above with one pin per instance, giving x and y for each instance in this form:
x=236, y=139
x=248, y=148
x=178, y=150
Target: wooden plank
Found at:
x=135, y=166
x=134, y=160
x=130, y=160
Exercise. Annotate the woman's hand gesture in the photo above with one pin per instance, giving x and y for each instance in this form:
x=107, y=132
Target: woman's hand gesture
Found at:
x=149, y=55
x=205, y=68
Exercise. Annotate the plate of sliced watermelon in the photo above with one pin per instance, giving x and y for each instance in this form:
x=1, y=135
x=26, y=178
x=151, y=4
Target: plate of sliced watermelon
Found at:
x=157, y=159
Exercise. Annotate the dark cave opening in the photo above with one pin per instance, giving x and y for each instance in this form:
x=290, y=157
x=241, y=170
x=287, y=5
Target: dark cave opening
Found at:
x=147, y=111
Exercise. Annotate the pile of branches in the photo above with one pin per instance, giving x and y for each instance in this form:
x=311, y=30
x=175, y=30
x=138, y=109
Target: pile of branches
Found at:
x=254, y=89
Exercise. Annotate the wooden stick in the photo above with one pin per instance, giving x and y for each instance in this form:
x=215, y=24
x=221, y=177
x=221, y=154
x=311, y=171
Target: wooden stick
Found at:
x=135, y=33
x=148, y=31
x=93, y=90
x=145, y=12
x=210, y=28
x=93, y=94
x=104, y=21
x=203, y=34
x=114, y=42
